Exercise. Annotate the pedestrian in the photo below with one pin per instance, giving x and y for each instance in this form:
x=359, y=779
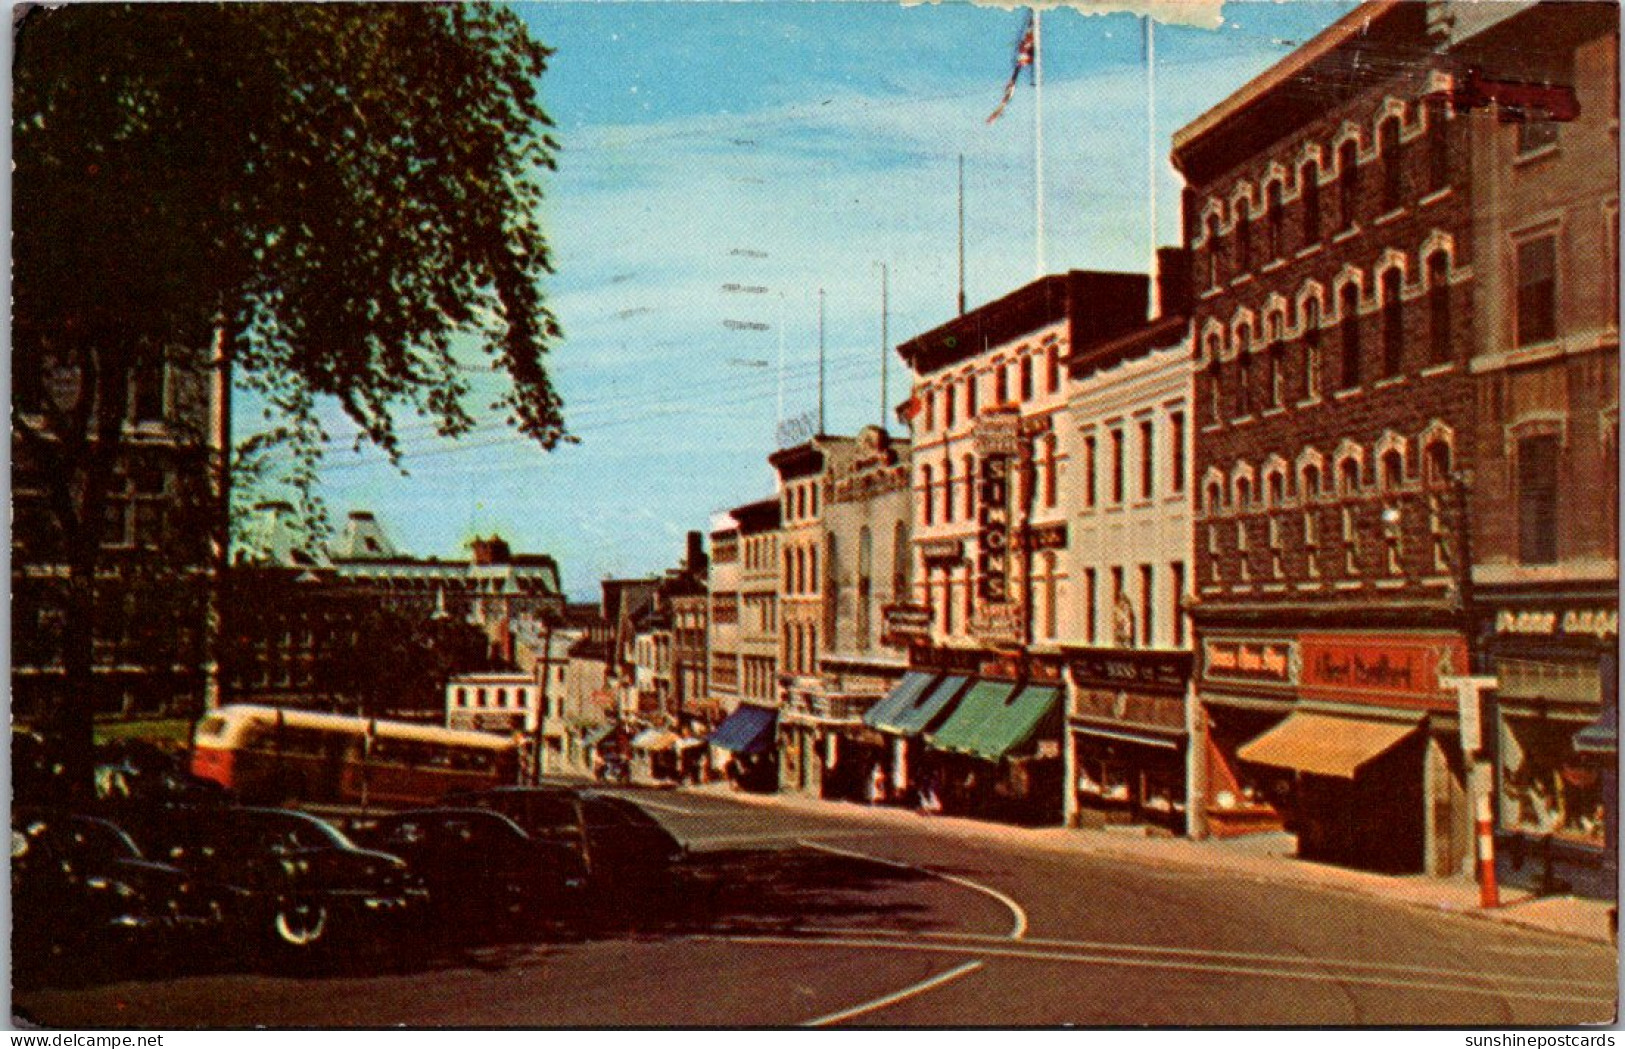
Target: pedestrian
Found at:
x=930, y=803
x=877, y=785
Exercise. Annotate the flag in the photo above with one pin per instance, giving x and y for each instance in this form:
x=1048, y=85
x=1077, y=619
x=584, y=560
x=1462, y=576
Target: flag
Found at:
x=909, y=409
x=1023, y=60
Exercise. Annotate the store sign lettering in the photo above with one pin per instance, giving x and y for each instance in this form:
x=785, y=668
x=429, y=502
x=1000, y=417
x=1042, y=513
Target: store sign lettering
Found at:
x=993, y=537
x=1590, y=622
x=1399, y=667
x=1272, y=662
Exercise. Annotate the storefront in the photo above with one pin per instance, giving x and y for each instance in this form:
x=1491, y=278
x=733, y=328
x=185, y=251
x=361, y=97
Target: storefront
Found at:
x=1127, y=738
x=1246, y=687
x=745, y=745
x=1371, y=746
x=1555, y=741
x=997, y=753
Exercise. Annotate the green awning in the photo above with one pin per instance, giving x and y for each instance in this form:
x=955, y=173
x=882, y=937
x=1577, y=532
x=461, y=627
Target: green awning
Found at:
x=903, y=695
x=923, y=711
x=995, y=718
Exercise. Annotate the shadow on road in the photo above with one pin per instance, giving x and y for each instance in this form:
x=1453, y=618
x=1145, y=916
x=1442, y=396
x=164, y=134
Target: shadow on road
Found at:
x=781, y=891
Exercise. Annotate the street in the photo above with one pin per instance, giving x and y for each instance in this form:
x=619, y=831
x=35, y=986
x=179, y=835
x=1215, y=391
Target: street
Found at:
x=841, y=916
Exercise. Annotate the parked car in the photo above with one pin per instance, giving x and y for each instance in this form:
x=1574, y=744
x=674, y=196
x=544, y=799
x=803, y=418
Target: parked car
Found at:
x=622, y=846
x=83, y=896
x=483, y=872
x=297, y=885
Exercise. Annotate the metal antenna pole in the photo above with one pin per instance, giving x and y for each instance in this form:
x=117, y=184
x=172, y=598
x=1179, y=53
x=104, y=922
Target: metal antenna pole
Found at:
x=820, y=362
x=1038, y=140
x=885, y=347
x=961, y=234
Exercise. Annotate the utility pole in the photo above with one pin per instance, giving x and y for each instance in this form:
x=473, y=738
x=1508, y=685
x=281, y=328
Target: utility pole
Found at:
x=961, y=234
x=885, y=349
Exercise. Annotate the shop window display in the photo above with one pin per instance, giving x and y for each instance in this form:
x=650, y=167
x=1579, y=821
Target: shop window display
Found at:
x=1545, y=787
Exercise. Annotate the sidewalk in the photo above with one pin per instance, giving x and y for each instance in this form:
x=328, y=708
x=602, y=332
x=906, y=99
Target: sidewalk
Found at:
x=1267, y=858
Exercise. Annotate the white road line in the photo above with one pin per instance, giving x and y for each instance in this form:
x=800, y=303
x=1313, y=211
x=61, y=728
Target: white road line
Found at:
x=1024, y=952
x=969, y=940
x=892, y=999
x=791, y=837
x=1017, y=931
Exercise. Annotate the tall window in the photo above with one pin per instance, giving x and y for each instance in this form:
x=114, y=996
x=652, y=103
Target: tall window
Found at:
x=1117, y=603
x=812, y=571
x=1272, y=361
x=970, y=396
x=948, y=407
x=1090, y=487
x=1052, y=369
x=1051, y=468
x=1537, y=500
x=947, y=601
x=1026, y=378
x=930, y=411
x=1051, y=605
x=147, y=392
x=970, y=487
x=1117, y=466
x=1176, y=574
x=1393, y=322
x=1001, y=384
x=1310, y=179
x=1349, y=315
x=1535, y=135
x=899, y=563
x=1438, y=307
x=928, y=497
x=1176, y=451
x=1311, y=349
x=1272, y=198
x=1537, y=290
x=947, y=491
x=1438, y=146
x=1244, y=237
x=1348, y=181
x=1392, y=169
x=1147, y=609
x=1147, y=460
x=1244, y=377
x=1091, y=588
x=1213, y=251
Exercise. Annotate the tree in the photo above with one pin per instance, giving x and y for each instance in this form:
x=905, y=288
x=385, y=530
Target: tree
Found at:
x=320, y=200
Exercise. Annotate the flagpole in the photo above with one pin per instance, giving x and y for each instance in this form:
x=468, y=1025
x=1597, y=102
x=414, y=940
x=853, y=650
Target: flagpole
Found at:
x=885, y=348
x=961, y=234
x=1038, y=142
x=1151, y=157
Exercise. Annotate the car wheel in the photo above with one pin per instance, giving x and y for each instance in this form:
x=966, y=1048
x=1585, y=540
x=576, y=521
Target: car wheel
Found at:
x=301, y=923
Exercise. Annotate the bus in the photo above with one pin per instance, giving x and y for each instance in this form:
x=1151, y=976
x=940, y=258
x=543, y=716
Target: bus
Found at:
x=275, y=755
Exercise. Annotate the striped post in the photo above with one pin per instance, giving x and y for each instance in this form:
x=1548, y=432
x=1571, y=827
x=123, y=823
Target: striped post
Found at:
x=1489, y=894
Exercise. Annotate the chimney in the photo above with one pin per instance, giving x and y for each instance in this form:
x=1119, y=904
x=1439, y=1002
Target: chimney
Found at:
x=1174, y=281
x=696, y=552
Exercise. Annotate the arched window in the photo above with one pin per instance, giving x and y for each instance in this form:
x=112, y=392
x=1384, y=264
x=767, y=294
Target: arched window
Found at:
x=930, y=411
x=1309, y=179
x=1213, y=273
x=1244, y=369
x=812, y=571
x=1052, y=369
x=948, y=490
x=1393, y=322
x=1348, y=181
x=1438, y=307
x=970, y=487
x=1438, y=145
x=1001, y=384
x=801, y=571
x=1026, y=377
x=1272, y=359
x=970, y=396
x=1272, y=201
x=1436, y=463
x=1392, y=170
x=1275, y=489
x=1215, y=497
x=1244, y=236
x=927, y=497
x=1244, y=495
x=948, y=407
x=1349, y=315
x=1311, y=349
x=1393, y=470
x=1309, y=483
x=866, y=558
x=1348, y=477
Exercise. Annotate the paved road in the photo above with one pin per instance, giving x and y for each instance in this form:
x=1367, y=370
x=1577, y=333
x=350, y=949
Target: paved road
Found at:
x=840, y=917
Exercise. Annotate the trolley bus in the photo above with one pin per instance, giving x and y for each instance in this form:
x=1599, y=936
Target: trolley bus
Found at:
x=269, y=754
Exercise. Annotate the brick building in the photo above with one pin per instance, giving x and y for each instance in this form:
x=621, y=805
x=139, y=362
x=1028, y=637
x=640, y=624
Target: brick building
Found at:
x=1545, y=493
x=1329, y=219
x=979, y=713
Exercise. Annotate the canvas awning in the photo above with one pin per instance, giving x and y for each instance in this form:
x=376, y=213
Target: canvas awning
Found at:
x=913, y=712
x=995, y=718
x=1325, y=744
x=654, y=739
x=748, y=730
x=596, y=735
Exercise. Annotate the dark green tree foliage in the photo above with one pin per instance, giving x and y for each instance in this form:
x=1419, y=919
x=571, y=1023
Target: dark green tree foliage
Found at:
x=322, y=196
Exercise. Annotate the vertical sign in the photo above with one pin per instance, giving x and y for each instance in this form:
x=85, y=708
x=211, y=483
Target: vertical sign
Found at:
x=993, y=537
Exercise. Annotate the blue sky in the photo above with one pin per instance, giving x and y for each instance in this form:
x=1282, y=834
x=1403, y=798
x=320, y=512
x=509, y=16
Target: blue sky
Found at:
x=788, y=146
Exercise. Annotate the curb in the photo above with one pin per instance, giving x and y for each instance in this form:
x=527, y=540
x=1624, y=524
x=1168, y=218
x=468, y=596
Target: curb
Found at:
x=1296, y=875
